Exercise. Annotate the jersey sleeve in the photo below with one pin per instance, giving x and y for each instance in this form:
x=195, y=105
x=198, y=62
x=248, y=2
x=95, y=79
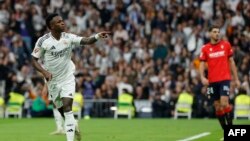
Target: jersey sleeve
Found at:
x=203, y=56
x=38, y=49
x=229, y=50
x=75, y=40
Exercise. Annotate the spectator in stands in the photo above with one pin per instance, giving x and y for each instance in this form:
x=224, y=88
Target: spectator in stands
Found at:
x=159, y=107
x=202, y=105
x=39, y=107
x=88, y=94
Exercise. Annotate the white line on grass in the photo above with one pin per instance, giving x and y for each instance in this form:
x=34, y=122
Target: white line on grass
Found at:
x=196, y=136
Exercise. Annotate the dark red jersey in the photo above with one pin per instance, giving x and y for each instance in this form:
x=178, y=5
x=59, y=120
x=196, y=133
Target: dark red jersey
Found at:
x=217, y=58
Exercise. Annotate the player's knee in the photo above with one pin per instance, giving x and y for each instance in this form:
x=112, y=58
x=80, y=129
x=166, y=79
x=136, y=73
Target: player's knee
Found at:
x=61, y=111
x=224, y=104
x=224, y=101
x=67, y=104
x=67, y=108
x=217, y=106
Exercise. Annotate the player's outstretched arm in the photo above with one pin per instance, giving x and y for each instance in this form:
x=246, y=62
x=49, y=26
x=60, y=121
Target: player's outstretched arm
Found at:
x=93, y=39
x=38, y=67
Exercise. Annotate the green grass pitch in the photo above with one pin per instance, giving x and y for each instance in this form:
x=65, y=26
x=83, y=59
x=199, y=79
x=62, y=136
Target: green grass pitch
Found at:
x=114, y=130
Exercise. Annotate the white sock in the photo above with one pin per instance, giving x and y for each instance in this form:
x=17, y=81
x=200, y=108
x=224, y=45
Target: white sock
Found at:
x=58, y=119
x=69, y=125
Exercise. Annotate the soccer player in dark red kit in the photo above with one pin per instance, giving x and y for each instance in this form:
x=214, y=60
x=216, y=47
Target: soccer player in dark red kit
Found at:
x=218, y=55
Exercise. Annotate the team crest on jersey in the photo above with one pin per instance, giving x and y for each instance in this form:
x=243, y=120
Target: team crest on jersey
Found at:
x=210, y=49
x=222, y=47
x=65, y=42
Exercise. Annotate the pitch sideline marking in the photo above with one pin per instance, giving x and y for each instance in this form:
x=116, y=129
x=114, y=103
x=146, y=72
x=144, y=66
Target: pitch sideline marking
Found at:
x=196, y=136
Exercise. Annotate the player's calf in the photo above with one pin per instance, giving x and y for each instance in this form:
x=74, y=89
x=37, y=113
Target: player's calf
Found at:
x=221, y=117
x=228, y=114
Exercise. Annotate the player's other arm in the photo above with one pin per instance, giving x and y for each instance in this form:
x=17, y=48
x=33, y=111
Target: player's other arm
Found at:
x=202, y=67
x=232, y=64
x=93, y=39
x=234, y=71
x=204, y=80
x=36, y=54
x=39, y=68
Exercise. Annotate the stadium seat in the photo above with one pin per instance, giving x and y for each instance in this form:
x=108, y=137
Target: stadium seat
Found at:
x=15, y=105
x=77, y=105
x=1, y=107
x=183, y=106
x=242, y=106
x=124, y=106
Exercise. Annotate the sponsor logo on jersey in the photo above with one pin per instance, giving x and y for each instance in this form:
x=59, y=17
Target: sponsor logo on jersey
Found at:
x=217, y=54
x=60, y=53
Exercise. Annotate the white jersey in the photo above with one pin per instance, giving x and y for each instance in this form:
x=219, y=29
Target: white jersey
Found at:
x=56, y=54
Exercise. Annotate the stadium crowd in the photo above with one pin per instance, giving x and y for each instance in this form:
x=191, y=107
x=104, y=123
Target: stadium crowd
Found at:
x=154, y=49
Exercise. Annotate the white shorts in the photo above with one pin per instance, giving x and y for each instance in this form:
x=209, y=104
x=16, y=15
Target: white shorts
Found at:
x=58, y=90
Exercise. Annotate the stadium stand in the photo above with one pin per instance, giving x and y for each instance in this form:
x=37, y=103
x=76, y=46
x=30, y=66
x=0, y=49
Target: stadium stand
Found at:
x=154, y=47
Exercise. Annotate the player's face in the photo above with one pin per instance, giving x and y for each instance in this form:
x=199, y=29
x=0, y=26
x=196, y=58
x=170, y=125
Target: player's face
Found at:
x=57, y=24
x=215, y=34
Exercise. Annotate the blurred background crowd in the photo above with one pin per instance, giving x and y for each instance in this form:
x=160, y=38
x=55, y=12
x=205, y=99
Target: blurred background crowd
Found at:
x=153, y=53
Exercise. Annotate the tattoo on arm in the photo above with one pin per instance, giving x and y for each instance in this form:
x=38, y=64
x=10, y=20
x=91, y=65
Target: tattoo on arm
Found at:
x=88, y=40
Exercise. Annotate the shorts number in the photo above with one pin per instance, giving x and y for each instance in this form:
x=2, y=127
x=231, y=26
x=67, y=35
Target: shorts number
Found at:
x=210, y=90
x=226, y=89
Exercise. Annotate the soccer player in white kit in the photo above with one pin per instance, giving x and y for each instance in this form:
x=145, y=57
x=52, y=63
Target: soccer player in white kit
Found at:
x=55, y=49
